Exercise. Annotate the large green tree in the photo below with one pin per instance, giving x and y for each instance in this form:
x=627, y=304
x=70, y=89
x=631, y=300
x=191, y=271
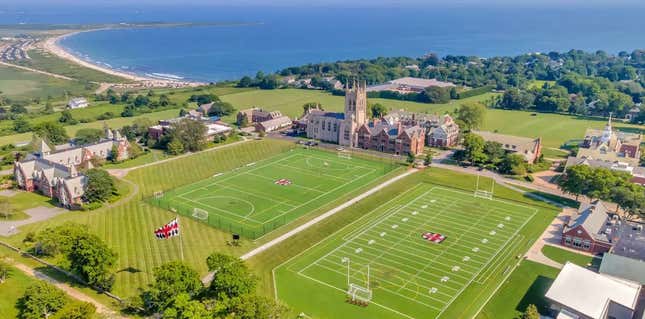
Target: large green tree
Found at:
x=191, y=134
x=171, y=279
x=76, y=310
x=231, y=277
x=100, y=186
x=471, y=115
x=52, y=132
x=88, y=135
x=90, y=258
x=41, y=300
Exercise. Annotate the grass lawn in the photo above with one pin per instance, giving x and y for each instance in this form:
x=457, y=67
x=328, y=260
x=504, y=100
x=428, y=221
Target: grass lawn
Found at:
x=319, y=300
x=11, y=290
x=562, y=256
x=147, y=158
x=554, y=153
x=42, y=60
x=257, y=198
x=526, y=285
x=23, y=85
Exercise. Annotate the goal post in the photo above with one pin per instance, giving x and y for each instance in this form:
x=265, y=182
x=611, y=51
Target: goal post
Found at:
x=200, y=214
x=482, y=191
x=158, y=194
x=357, y=292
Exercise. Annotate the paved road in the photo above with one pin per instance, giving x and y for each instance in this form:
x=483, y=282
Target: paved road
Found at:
x=8, y=228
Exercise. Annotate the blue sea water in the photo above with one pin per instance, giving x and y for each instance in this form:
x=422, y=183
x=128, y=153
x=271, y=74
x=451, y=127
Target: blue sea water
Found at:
x=270, y=38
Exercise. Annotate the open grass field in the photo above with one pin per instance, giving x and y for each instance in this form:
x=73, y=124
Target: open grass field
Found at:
x=11, y=290
x=259, y=197
x=562, y=256
x=410, y=277
x=24, y=85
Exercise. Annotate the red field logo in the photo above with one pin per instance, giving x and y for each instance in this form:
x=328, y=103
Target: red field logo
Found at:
x=283, y=182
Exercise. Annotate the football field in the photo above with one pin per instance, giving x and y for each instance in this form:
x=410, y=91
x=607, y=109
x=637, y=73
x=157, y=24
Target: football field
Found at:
x=259, y=197
x=408, y=275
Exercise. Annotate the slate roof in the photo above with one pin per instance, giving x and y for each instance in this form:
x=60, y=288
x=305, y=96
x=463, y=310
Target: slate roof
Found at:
x=593, y=217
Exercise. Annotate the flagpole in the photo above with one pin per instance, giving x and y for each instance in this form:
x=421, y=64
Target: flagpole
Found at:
x=181, y=241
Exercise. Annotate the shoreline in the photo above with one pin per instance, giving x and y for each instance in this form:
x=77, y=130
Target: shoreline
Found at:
x=53, y=46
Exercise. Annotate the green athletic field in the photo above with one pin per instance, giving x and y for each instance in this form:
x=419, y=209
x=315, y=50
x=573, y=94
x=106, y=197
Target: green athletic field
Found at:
x=409, y=277
x=256, y=198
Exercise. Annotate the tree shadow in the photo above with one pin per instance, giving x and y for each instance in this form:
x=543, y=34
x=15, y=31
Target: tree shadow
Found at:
x=535, y=295
x=131, y=270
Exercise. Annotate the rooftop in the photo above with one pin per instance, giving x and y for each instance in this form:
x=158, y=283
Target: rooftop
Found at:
x=623, y=267
x=591, y=293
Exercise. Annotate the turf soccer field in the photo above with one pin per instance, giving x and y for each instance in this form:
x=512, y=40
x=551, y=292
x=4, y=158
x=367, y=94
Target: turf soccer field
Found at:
x=259, y=197
x=410, y=276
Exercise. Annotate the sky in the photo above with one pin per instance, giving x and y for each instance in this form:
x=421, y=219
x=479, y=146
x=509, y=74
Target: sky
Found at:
x=357, y=3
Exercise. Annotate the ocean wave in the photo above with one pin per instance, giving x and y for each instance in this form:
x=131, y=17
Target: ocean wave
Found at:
x=166, y=76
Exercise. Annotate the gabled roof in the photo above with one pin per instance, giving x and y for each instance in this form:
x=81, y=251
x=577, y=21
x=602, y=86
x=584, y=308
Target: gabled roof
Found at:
x=593, y=218
x=590, y=293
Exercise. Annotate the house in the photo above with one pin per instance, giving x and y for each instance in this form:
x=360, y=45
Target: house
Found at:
x=610, y=149
x=213, y=126
x=273, y=124
x=77, y=103
x=396, y=139
x=441, y=130
x=579, y=293
x=55, y=173
x=409, y=85
x=529, y=148
x=592, y=229
x=256, y=115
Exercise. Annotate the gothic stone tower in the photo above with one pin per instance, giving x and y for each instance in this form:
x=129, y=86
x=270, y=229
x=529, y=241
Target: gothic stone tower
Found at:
x=355, y=113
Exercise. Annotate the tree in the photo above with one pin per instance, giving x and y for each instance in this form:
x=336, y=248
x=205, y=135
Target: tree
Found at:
x=474, y=148
x=175, y=147
x=191, y=134
x=494, y=151
x=269, y=82
x=428, y=159
x=231, y=277
x=575, y=180
x=76, y=310
x=134, y=150
x=245, y=82
x=88, y=136
x=410, y=159
x=220, y=108
x=513, y=164
x=515, y=99
x=472, y=115
x=67, y=118
x=171, y=279
x=100, y=186
x=254, y=306
x=40, y=300
x=377, y=110
x=435, y=94
x=311, y=106
x=52, y=132
x=531, y=312
x=183, y=307
x=21, y=125
x=91, y=259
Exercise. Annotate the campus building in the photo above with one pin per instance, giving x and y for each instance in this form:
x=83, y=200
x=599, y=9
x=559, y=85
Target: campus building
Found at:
x=441, y=130
x=77, y=103
x=263, y=121
x=409, y=85
x=213, y=125
x=55, y=173
x=529, y=148
x=352, y=128
x=592, y=229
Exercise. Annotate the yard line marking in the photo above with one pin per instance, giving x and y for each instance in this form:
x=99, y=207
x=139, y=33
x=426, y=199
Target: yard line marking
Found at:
x=292, y=184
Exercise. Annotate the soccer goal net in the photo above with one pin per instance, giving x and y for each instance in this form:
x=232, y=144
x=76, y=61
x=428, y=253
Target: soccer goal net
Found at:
x=359, y=293
x=345, y=155
x=200, y=214
x=158, y=194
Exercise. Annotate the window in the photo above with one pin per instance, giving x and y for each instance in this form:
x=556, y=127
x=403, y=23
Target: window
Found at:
x=586, y=245
x=577, y=242
x=567, y=241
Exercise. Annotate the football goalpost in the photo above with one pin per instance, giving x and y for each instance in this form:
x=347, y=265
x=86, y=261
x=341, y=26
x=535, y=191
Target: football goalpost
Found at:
x=158, y=194
x=358, y=293
x=484, y=192
x=200, y=214
x=345, y=155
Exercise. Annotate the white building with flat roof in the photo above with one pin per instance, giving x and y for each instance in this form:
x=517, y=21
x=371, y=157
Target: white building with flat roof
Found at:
x=77, y=103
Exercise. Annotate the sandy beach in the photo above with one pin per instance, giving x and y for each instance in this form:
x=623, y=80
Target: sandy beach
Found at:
x=51, y=45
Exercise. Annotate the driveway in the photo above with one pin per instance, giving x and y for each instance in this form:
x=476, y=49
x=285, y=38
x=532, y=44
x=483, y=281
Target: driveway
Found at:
x=36, y=214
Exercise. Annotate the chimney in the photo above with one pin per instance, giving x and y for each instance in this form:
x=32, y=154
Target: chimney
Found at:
x=399, y=127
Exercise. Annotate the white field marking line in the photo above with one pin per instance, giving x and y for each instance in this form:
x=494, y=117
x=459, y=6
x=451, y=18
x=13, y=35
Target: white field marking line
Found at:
x=494, y=292
x=221, y=210
x=292, y=184
x=371, y=302
x=351, y=234
x=497, y=208
x=268, y=209
x=465, y=286
x=492, y=225
x=236, y=173
x=441, y=302
x=501, y=208
x=325, y=215
x=232, y=197
x=528, y=208
x=361, y=233
x=442, y=252
x=305, y=171
x=366, y=216
x=371, y=214
x=481, y=280
x=258, y=195
x=319, y=196
x=421, y=259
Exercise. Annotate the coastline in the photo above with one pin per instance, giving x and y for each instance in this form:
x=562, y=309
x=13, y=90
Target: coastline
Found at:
x=53, y=46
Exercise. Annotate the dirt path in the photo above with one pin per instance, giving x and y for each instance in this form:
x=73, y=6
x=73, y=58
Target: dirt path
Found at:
x=58, y=76
x=72, y=292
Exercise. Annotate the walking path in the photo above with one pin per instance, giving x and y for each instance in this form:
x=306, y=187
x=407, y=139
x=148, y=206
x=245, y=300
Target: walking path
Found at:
x=318, y=219
x=8, y=228
x=58, y=76
x=72, y=292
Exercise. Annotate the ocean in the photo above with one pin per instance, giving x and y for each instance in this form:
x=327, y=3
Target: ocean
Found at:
x=270, y=38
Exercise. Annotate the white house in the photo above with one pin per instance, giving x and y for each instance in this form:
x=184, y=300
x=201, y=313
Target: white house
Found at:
x=77, y=103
